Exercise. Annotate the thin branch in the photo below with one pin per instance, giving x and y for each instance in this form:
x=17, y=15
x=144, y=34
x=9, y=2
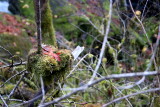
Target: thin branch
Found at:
x=38, y=22
x=12, y=92
x=43, y=91
x=13, y=65
x=12, y=77
x=84, y=87
x=6, y=51
x=114, y=76
x=141, y=25
x=3, y=101
x=144, y=10
x=28, y=102
x=149, y=65
x=141, y=92
x=86, y=32
x=76, y=65
x=105, y=40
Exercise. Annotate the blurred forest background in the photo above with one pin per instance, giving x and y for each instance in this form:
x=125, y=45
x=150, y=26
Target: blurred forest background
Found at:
x=120, y=63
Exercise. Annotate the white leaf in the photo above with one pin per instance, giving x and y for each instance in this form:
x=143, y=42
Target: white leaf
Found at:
x=77, y=51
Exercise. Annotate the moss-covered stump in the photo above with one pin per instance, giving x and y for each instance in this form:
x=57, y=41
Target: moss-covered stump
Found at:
x=52, y=65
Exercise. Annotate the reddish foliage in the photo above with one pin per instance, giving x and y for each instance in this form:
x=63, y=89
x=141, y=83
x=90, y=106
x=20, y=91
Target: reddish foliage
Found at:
x=9, y=29
x=12, y=26
x=12, y=20
x=1, y=63
x=48, y=50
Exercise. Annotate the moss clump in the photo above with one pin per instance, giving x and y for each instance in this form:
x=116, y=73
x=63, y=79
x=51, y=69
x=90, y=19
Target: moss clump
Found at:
x=52, y=65
x=48, y=32
x=6, y=89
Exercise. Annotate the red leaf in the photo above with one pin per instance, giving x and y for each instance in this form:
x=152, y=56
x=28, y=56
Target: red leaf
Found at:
x=48, y=50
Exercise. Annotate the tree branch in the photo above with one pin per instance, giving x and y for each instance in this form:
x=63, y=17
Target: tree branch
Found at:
x=141, y=92
x=114, y=76
x=38, y=22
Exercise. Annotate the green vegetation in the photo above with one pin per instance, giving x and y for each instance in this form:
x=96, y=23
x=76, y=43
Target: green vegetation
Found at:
x=128, y=50
x=26, y=8
x=48, y=32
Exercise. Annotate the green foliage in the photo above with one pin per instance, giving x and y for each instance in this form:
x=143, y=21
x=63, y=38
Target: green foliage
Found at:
x=26, y=8
x=6, y=89
x=17, y=45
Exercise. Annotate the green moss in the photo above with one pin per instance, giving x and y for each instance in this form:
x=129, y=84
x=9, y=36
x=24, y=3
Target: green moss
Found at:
x=48, y=32
x=6, y=89
x=26, y=8
x=156, y=102
x=17, y=45
x=30, y=83
x=49, y=68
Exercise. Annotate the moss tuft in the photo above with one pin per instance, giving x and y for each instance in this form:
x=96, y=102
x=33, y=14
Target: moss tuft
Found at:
x=48, y=31
x=47, y=66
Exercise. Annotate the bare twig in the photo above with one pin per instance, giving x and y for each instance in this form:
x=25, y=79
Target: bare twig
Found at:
x=105, y=40
x=144, y=10
x=12, y=92
x=101, y=32
x=141, y=25
x=27, y=102
x=38, y=22
x=141, y=92
x=148, y=67
x=43, y=91
x=77, y=65
x=12, y=77
x=6, y=51
x=3, y=101
x=86, y=32
x=114, y=76
x=13, y=65
x=84, y=87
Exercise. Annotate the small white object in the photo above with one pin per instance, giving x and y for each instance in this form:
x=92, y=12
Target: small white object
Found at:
x=77, y=51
